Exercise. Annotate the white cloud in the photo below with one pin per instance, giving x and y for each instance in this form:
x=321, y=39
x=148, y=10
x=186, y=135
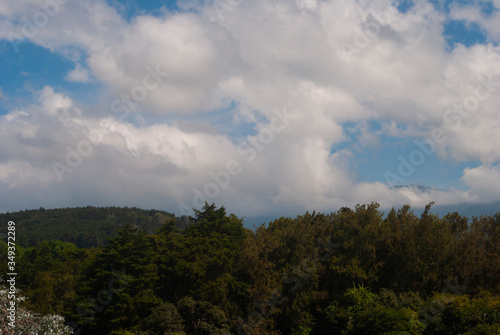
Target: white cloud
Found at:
x=177, y=45
x=484, y=181
x=261, y=57
x=469, y=116
x=79, y=74
x=105, y=159
x=490, y=23
x=69, y=27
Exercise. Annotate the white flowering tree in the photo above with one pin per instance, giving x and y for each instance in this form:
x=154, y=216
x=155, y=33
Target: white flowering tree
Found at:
x=27, y=322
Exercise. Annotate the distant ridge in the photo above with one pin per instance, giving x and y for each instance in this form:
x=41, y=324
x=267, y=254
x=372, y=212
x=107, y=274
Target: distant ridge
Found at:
x=468, y=209
x=86, y=227
x=420, y=188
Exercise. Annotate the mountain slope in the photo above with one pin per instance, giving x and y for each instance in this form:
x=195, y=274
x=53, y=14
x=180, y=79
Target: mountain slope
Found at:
x=84, y=226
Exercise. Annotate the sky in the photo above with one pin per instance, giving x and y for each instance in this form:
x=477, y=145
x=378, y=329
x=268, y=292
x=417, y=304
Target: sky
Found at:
x=269, y=108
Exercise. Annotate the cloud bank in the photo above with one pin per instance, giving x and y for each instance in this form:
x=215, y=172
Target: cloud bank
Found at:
x=255, y=100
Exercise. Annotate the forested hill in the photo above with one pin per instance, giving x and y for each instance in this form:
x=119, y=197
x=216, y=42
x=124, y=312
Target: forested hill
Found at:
x=83, y=226
x=354, y=271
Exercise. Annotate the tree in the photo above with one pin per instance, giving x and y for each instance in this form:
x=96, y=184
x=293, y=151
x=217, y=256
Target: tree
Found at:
x=26, y=322
x=117, y=288
x=164, y=319
x=203, y=260
x=203, y=318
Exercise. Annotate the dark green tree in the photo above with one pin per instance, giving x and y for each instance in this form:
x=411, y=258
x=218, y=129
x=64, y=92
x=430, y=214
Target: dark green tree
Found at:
x=164, y=320
x=117, y=289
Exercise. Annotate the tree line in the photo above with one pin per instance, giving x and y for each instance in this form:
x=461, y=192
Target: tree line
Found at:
x=353, y=271
x=85, y=227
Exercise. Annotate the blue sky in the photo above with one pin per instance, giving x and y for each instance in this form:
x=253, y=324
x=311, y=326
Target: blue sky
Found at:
x=211, y=85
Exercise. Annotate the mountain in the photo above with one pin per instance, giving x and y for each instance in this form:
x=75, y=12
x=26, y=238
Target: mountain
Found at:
x=90, y=226
x=467, y=209
x=84, y=226
x=418, y=188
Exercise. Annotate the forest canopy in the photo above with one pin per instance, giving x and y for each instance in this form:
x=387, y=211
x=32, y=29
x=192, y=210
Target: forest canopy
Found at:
x=353, y=271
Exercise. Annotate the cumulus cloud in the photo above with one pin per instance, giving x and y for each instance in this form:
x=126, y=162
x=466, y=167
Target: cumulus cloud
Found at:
x=106, y=159
x=297, y=74
x=484, y=181
x=489, y=22
x=79, y=74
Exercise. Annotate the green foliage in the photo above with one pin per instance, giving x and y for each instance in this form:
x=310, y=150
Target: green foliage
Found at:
x=364, y=312
x=26, y=322
x=85, y=227
x=358, y=298
x=302, y=330
x=461, y=314
x=119, y=283
x=164, y=319
x=48, y=274
x=354, y=271
x=203, y=260
x=202, y=318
